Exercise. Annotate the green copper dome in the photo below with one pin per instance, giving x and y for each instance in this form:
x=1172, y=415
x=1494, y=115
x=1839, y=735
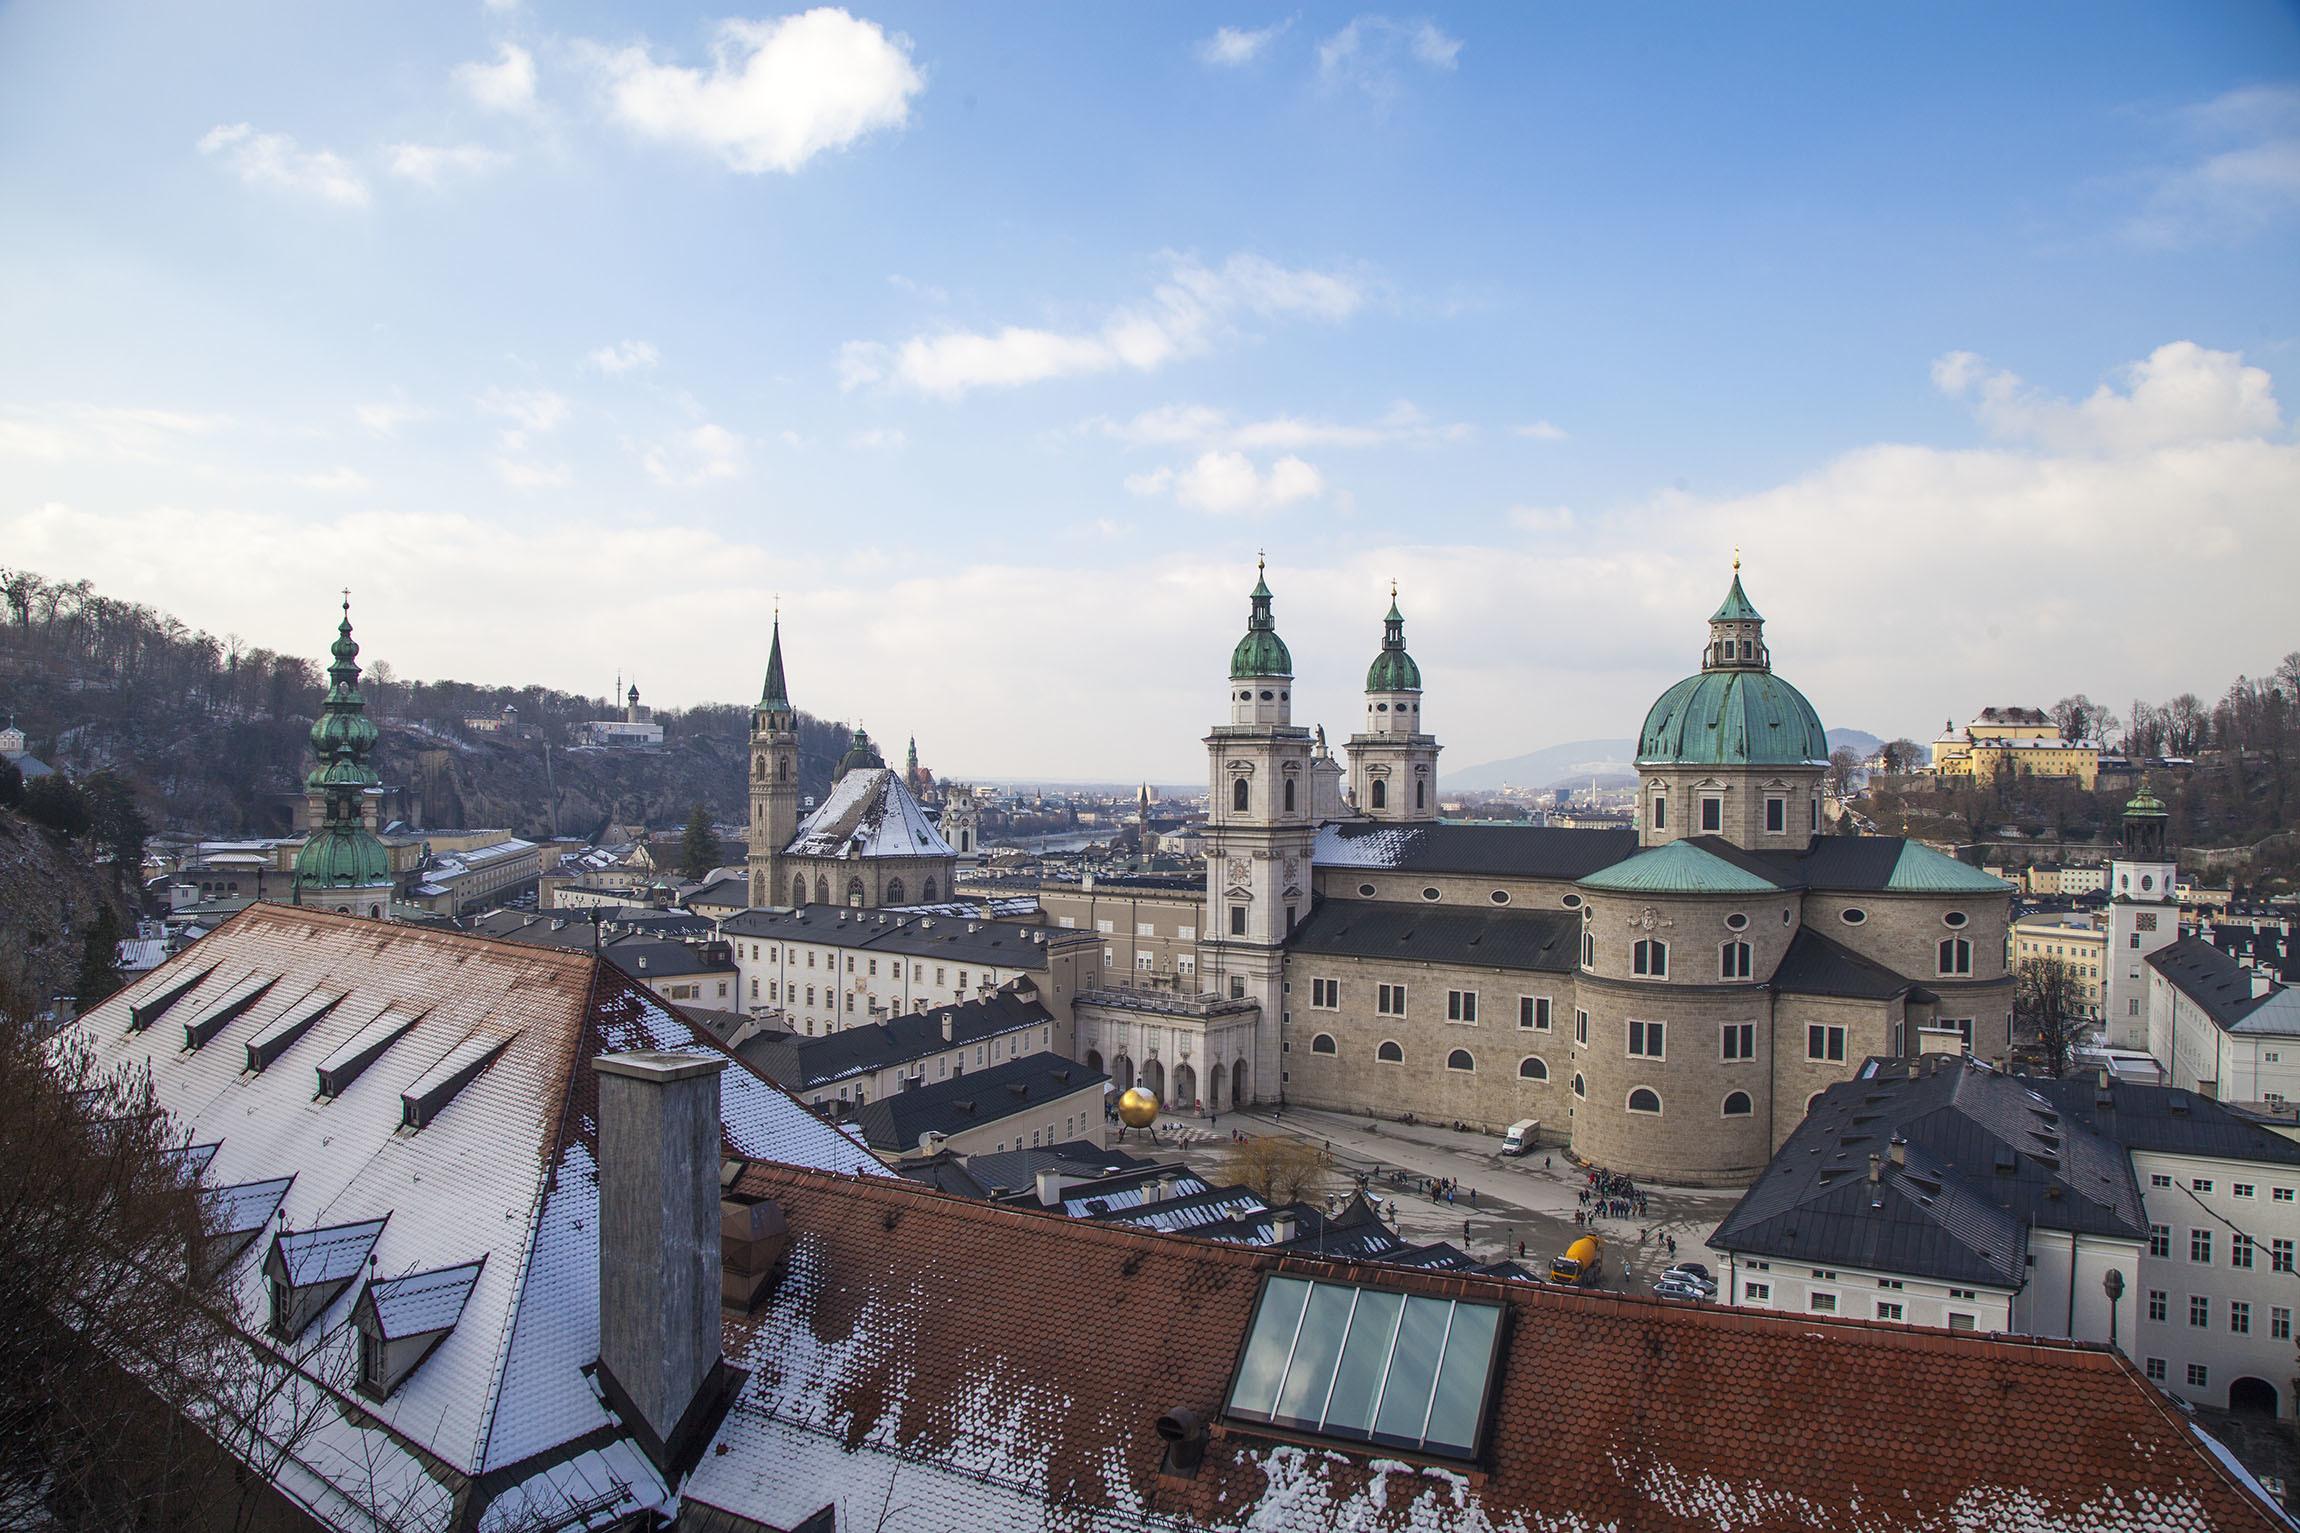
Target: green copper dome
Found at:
x=859, y=754
x=342, y=857
x=1393, y=669
x=1736, y=608
x=341, y=853
x=1261, y=652
x=2145, y=802
x=1732, y=718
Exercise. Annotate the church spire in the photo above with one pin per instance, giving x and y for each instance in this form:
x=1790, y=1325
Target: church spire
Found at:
x=1261, y=652
x=341, y=853
x=775, y=696
x=1736, y=632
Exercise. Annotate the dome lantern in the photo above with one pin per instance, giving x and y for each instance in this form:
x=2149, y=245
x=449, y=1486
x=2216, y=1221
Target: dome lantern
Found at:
x=1261, y=652
x=1393, y=669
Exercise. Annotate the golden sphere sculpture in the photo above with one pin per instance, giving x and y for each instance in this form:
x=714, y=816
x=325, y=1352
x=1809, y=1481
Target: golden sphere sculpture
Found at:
x=1137, y=1108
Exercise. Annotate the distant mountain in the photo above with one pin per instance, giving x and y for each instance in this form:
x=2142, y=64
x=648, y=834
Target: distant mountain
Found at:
x=1858, y=741
x=1611, y=762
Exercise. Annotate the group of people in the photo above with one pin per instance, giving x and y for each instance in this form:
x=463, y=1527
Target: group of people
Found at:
x=1441, y=1189
x=1608, y=1195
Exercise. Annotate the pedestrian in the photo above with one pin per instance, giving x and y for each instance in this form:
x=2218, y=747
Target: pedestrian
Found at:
x=1473, y=1197
x=1545, y=1163
x=1465, y=1232
x=1521, y=1250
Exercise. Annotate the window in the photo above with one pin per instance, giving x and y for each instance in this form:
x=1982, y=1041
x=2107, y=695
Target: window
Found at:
x=1650, y=956
x=1738, y=1040
x=1237, y=920
x=1588, y=950
x=2200, y=1184
x=1239, y=795
x=2156, y=1304
x=1736, y=922
x=1433, y=894
x=1777, y=821
x=1390, y=1001
x=1533, y=1012
x=1661, y=814
x=1289, y=795
x=1822, y=1303
x=2200, y=1245
x=2199, y=1310
x=1369, y=1365
x=1326, y=994
x=1381, y=794
x=1643, y=1099
x=2160, y=1240
x=1712, y=812
x=2156, y=1370
x=1389, y=1053
x=1885, y=1310
x=1852, y=915
x=1460, y=1059
x=1581, y=1027
x=1959, y=1322
x=1461, y=1005
x=1956, y=955
x=2279, y=1194
x=2239, y=1318
x=2240, y=1251
x=1827, y=1043
x=1954, y=919
x=1322, y=1044
x=2279, y=1256
x=1737, y=1105
x=1646, y=1039
x=1757, y=1293
x=2197, y=1375
x=1580, y=1087
x=2159, y=1179
x=2279, y=1323
x=1532, y=1068
x=1733, y=961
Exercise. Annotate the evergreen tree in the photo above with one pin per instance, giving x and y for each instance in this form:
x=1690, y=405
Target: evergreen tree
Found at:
x=99, y=959
x=11, y=785
x=699, y=847
x=117, y=824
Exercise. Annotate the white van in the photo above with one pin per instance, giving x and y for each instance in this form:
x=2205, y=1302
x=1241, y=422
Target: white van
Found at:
x=1520, y=1137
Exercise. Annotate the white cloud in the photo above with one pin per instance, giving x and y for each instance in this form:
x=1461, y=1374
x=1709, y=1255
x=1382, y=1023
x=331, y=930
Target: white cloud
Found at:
x=2240, y=174
x=1541, y=518
x=777, y=93
x=538, y=410
x=1231, y=47
x=335, y=481
x=1539, y=431
x=59, y=433
x=385, y=419
x=878, y=439
x=525, y=474
x=1198, y=425
x=2181, y=392
x=625, y=357
x=507, y=85
x=1368, y=54
x=273, y=160
x=430, y=164
x=703, y=455
x=1183, y=316
x=1228, y=484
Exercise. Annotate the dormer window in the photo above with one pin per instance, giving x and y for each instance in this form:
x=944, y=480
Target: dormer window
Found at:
x=308, y=1270
x=401, y=1320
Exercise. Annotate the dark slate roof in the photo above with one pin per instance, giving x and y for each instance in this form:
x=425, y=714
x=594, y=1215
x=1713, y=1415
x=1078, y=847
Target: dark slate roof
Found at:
x=725, y=891
x=1498, y=938
x=946, y=939
x=1985, y=1158
x=2166, y=1119
x=802, y=1063
x=2214, y=981
x=1523, y=851
x=945, y=1173
x=645, y=959
x=1016, y=1171
x=971, y=1100
x=1818, y=965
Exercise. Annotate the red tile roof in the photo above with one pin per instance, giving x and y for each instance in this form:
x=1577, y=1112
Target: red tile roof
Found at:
x=986, y=1366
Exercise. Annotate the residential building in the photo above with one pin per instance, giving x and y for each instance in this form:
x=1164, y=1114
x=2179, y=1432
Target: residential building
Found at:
x=1042, y=1098
x=2073, y=938
x=2220, y=1028
x=2024, y=742
x=853, y=1065
x=635, y=730
x=456, y=883
x=698, y=974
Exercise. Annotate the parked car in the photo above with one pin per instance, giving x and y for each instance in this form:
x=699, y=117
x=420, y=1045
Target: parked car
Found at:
x=1695, y=1271
x=1673, y=1286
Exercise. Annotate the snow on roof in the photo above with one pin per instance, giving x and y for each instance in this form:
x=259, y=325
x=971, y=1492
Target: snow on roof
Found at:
x=422, y=1302
x=498, y=1180
x=868, y=813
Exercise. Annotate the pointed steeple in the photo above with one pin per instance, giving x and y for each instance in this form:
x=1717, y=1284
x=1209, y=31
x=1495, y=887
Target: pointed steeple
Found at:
x=1736, y=632
x=774, y=696
x=912, y=761
x=340, y=852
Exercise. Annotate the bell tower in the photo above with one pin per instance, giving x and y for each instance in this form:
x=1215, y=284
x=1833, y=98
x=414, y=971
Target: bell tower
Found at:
x=2143, y=915
x=1260, y=825
x=774, y=779
x=1393, y=762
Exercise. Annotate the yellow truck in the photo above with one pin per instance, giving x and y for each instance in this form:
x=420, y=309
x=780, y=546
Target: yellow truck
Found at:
x=1582, y=1265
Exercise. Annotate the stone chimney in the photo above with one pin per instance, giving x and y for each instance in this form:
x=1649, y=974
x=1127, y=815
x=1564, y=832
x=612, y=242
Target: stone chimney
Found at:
x=949, y=1025
x=659, y=1254
x=2262, y=982
x=1050, y=1187
x=1284, y=1226
x=1898, y=1149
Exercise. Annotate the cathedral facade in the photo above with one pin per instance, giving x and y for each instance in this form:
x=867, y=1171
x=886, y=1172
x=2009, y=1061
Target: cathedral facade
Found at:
x=1665, y=1000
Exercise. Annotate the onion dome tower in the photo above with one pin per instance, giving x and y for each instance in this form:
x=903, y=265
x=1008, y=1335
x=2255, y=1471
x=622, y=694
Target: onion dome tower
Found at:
x=1393, y=763
x=342, y=866
x=2143, y=914
x=1732, y=750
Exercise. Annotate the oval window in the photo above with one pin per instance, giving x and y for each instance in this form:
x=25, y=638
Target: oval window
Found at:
x=1381, y=707
x=1736, y=921
x=1285, y=697
x=1853, y=916
x=1430, y=893
x=2147, y=880
x=1499, y=896
x=1266, y=694
x=1953, y=919
x=1366, y=889
x=1571, y=902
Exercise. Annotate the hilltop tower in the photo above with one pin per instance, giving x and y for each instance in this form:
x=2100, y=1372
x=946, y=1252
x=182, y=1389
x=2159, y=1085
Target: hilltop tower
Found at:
x=2143, y=915
x=1393, y=762
x=774, y=777
x=1259, y=831
x=342, y=866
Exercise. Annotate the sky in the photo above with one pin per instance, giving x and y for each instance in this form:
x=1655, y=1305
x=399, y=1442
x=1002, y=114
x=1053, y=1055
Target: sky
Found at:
x=992, y=343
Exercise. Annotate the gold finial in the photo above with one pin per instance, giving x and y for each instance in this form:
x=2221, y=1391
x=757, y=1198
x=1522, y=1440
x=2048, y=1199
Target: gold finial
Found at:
x=1393, y=590
x=1258, y=555
x=1736, y=558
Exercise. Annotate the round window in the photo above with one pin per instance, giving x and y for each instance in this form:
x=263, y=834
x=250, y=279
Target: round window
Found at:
x=2147, y=880
x=1736, y=921
x=1366, y=889
x=1853, y=916
x=1572, y=902
x=1499, y=896
x=1266, y=694
x=1430, y=893
x=1954, y=918
x=1381, y=707
x=1285, y=697
x=1245, y=697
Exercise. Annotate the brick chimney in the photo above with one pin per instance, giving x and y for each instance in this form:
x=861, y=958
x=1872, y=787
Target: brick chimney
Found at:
x=659, y=1256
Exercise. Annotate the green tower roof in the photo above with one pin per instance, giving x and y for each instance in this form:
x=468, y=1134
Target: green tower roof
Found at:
x=342, y=853
x=859, y=754
x=1736, y=608
x=1732, y=718
x=774, y=695
x=2145, y=802
x=1393, y=669
x=1261, y=652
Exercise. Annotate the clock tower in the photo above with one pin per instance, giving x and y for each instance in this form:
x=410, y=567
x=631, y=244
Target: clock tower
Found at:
x=2143, y=915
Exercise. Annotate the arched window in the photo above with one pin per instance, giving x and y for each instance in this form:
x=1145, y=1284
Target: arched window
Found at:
x=1289, y=795
x=759, y=767
x=1733, y=961
x=927, y=893
x=1421, y=795
x=822, y=889
x=1381, y=794
x=1580, y=1087
x=798, y=891
x=783, y=768
x=1644, y=1099
x=1660, y=813
x=1737, y=1104
x=1956, y=955
x=854, y=891
x=894, y=891
x=1650, y=957
x=1389, y=1053
x=1322, y=1044
x=1094, y=1060
x=1460, y=1059
x=1532, y=1068
x=1588, y=950
x=1238, y=795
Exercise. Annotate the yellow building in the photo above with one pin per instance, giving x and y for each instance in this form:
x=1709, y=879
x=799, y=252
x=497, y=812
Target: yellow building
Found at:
x=2024, y=742
x=2071, y=937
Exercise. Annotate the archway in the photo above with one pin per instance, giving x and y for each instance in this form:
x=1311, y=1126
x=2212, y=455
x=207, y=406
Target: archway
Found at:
x=1154, y=1077
x=2252, y=1396
x=822, y=889
x=926, y=895
x=798, y=891
x=1122, y=1073
x=1185, y=1087
x=1094, y=1060
x=855, y=892
x=1238, y=1084
x=1214, y=1078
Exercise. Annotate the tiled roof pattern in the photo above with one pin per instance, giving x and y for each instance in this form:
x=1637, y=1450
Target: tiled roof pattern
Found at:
x=421, y=1302
x=1679, y=867
x=1921, y=870
x=973, y=1100
x=983, y=1367
x=1818, y=965
x=328, y=1255
x=801, y=1062
x=1498, y=939
x=1523, y=851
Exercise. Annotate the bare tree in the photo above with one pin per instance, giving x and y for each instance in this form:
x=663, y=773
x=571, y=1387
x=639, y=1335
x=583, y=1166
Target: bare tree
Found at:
x=1902, y=755
x=1278, y=1168
x=1844, y=761
x=2077, y=717
x=2186, y=725
x=2048, y=1007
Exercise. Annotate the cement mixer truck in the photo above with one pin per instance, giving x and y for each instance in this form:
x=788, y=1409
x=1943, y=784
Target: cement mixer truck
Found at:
x=1582, y=1265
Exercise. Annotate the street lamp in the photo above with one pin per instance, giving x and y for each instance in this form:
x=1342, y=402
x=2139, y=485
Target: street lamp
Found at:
x=2112, y=1284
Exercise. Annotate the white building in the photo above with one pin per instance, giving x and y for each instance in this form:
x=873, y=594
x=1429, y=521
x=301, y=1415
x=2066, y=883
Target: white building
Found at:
x=2221, y=1029
x=2143, y=916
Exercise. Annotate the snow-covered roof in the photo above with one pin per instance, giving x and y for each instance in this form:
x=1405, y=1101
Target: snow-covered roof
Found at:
x=497, y=1179
x=868, y=813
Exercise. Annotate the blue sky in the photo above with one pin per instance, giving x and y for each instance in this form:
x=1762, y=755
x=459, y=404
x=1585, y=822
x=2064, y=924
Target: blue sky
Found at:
x=996, y=341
